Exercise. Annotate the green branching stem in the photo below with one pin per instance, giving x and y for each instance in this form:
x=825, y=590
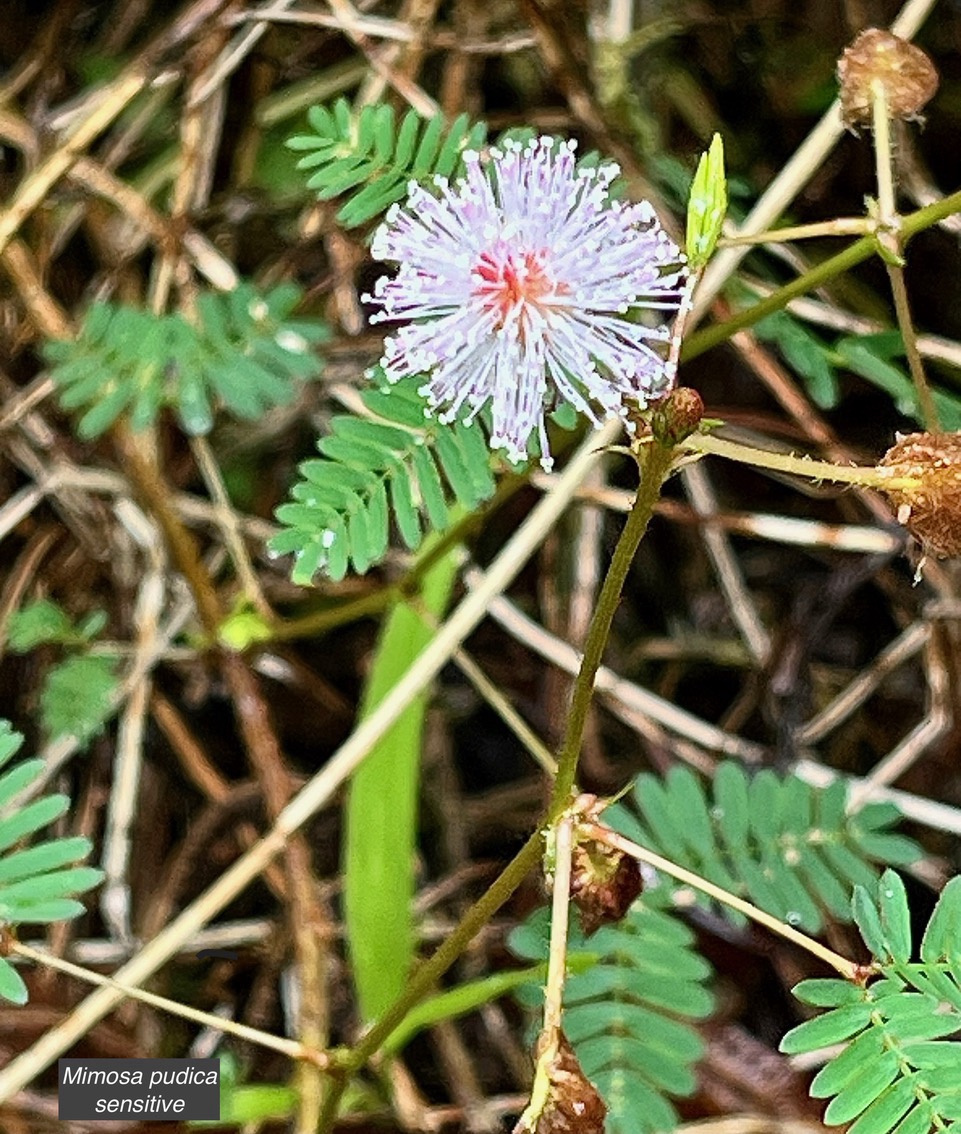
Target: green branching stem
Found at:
x=655, y=463
x=654, y=460
x=816, y=277
x=864, y=476
x=319, y=622
x=889, y=239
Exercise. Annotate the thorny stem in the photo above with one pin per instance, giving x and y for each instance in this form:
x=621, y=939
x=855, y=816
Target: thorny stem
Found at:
x=865, y=476
x=848, y=969
x=889, y=240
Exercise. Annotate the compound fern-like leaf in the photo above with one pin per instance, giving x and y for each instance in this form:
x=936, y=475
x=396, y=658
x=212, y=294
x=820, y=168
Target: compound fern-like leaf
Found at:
x=398, y=463
x=345, y=151
x=43, y=621
x=627, y=1014
x=77, y=696
x=38, y=884
x=78, y=693
x=244, y=351
x=788, y=847
x=898, y=1069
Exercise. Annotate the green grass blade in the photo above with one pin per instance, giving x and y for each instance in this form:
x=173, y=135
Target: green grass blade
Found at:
x=381, y=820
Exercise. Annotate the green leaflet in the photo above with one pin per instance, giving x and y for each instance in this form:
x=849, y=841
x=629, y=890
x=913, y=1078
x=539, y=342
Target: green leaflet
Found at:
x=398, y=465
x=12, y=987
x=787, y=847
x=38, y=623
x=381, y=818
x=627, y=1014
x=78, y=692
x=78, y=695
x=32, y=816
x=897, y=1070
x=370, y=153
x=245, y=351
x=826, y=992
x=37, y=884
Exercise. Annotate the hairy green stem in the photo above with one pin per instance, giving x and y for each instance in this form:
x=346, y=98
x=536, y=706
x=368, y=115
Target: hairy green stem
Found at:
x=549, y=1041
x=889, y=237
x=929, y=409
x=848, y=969
x=655, y=462
x=884, y=168
x=816, y=277
x=864, y=476
x=810, y=280
x=840, y=226
x=560, y=918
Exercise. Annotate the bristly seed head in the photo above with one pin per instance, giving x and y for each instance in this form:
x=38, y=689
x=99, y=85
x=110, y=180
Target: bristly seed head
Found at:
x=909, y=77
x=931, y=511
x=525, y=284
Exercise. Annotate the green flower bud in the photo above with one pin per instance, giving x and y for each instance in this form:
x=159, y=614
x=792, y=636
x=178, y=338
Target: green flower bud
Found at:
x=707, y=206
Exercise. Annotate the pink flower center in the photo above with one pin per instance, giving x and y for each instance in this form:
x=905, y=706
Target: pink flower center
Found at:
x=504, y=281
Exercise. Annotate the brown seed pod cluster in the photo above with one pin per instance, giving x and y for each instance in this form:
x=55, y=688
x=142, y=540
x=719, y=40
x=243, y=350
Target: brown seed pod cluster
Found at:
x=604, y=880
x=572, y=1105
x=910, y=78
x=931, y=510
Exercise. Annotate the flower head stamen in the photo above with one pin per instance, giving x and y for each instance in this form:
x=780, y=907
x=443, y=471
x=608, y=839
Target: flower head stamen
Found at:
x=525, y=283
x=508, y=282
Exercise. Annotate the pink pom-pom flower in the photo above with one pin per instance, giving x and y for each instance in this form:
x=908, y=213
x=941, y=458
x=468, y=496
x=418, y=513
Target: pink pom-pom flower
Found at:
x=524, y=284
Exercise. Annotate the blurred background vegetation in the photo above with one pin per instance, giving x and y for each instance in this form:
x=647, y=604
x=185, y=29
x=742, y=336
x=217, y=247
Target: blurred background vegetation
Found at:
x=187, y=184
